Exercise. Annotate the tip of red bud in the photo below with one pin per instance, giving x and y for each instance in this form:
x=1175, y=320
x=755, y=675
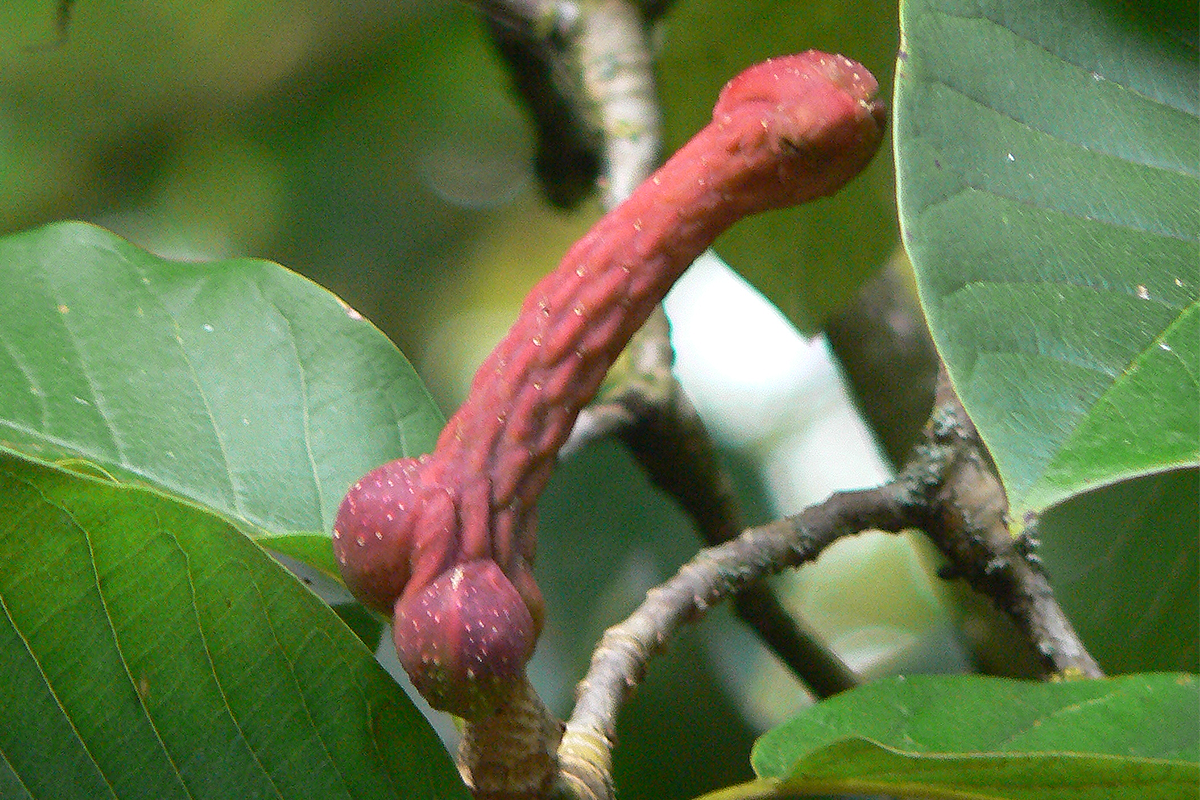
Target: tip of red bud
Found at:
x=817, y=116
x=465, y=638
x=782, y=81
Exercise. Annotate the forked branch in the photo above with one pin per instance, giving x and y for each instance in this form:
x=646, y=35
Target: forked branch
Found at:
x=947, y=490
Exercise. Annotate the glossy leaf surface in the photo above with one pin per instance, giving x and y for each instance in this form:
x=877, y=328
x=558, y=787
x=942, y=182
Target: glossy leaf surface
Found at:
x=236, y=384
x=151, y=650
x=1048, y=162
x=1049, y=170
x=975, y=737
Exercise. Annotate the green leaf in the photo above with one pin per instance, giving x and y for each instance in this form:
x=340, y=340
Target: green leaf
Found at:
x=811, y=260
x=311, y=548
x=237, y=384
x=1048, y=162
x=151, y=650
x=975, y=737
x=1132, y=592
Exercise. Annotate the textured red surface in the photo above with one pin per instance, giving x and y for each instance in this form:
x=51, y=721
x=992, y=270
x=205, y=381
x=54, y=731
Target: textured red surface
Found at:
x=464, y=638
x=783, y=132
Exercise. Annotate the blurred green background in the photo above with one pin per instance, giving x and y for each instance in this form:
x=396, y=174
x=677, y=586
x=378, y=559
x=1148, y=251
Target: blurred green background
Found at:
x=374, y=146
x=367, y=145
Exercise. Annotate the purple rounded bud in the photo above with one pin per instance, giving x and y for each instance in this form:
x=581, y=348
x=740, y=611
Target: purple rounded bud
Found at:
x=464, y=639
x=372, y=531
x=393, y=528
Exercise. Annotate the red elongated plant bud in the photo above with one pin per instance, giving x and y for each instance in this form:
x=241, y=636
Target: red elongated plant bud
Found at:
x=462, y=519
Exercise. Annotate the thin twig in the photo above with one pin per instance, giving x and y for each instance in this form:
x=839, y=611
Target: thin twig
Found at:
x=535, y=38
x=892, y=367
x=648, y=409
x=669, y=440
x=716, y=573
x=948, y=489
x=585, y=71
x=614, y=54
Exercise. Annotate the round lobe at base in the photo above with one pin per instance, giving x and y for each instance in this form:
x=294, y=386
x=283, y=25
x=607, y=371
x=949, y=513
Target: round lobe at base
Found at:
x=372, y=533
x=465, y=638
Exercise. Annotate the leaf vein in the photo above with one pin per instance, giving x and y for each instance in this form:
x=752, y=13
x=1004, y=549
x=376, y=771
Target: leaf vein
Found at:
x=968, y=186
x=97, y=403
x=297, y=685
x=306, y=419
x=15, y=774
x=212, y=669
x=38, y=664
x=145, y=282
x=1064, y=60
x=120, y=650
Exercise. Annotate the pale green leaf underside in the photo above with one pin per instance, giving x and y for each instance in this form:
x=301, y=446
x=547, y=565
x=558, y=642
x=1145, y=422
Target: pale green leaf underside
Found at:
x=150, y=650
x=311, y=548
x=976, y=737
x=1048, y=160
x=1125, y=561
x=236, y=384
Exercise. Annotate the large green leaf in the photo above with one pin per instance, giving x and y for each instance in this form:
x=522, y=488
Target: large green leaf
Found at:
x=1048, y=159
x=1048, y=162
x=151, y=650
x=237, y=384
x=811, y=260
x=973, y=738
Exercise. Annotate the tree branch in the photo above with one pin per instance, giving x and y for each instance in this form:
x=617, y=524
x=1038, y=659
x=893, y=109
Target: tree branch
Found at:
x=535, y=38
x=613, y=51
x=716, y=573
x=948, y=489
x=967, y=519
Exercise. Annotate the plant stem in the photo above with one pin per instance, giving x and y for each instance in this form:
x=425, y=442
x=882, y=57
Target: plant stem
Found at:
x=967, y=518
x=511, y=754
x=947, y=489
x=717, y=572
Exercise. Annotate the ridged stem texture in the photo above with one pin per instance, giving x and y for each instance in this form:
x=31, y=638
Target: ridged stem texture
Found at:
x=449, y=538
